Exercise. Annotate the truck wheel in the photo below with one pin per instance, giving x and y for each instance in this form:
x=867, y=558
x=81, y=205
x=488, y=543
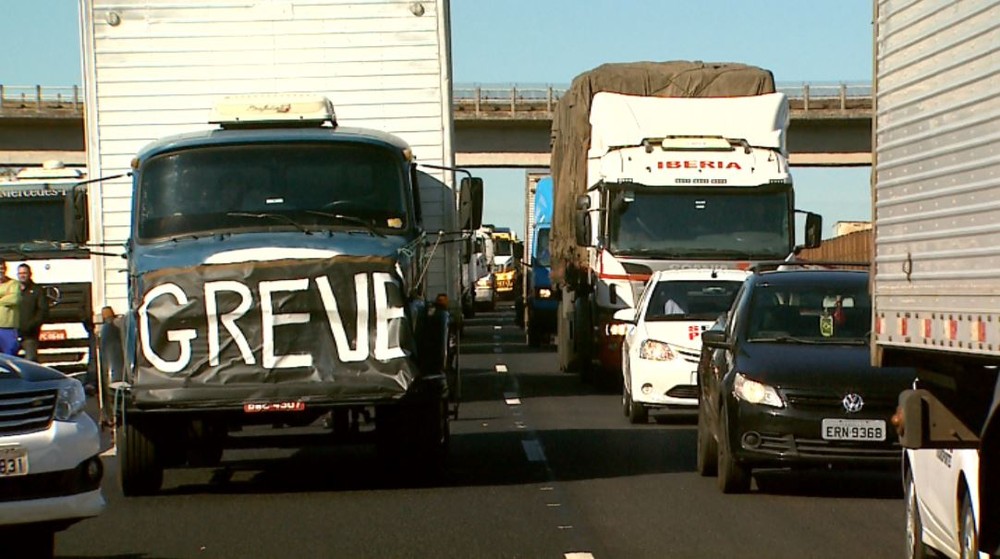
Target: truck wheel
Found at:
x=915, y=548
x=968, y=538
x=140, y=471
x=733, y=476
x=708, y=449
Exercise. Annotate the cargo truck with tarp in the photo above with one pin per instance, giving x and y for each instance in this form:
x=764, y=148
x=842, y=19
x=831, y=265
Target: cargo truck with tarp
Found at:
x=659, y=166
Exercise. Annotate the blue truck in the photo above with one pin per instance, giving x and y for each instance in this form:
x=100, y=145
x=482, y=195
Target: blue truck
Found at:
x=540, y=299
x=277, y=273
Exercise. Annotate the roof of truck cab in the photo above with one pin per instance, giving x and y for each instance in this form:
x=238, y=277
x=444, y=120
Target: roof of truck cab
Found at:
x=218, y=136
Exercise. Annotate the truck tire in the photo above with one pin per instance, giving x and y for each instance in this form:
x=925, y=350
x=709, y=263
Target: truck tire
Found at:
x=733, y=477
x=140, y=471
x=915, y=548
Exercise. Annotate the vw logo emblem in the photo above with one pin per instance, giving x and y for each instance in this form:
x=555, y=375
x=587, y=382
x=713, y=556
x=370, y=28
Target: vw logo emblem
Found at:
x=853, y=403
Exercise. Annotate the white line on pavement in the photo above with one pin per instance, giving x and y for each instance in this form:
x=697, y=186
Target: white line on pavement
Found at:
x=533, y=450
x=497, y=327
x=501, y=368
x=513, y=401
x=578, y=555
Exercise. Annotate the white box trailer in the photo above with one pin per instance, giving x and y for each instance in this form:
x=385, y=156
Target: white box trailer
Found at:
x=936, y=265
x=153, y=68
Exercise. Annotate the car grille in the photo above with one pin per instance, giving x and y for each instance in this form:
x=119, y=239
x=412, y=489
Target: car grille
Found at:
x=817, y=448
x=690, y=356
x=683, y=391
x=26, y=412
x=832, y=400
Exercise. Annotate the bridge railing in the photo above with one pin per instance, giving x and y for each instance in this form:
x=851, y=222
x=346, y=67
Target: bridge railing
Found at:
x=522, y=98
x=37, y=98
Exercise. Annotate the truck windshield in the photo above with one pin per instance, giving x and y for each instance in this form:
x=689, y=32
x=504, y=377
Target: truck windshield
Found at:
x=31, y=219
x=502, y=247
x=297, y=186
x=542, y=256
x=711, y=224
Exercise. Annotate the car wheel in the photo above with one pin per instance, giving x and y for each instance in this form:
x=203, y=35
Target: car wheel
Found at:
x=915, y=548
x=708, y=450
x=968, y=538
x=626, y=400
x=140, y=470
x=733, y=477
x=637, y=413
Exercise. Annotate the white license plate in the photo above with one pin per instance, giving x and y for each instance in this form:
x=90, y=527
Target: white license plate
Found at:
x=13, y=462
x=853, y=430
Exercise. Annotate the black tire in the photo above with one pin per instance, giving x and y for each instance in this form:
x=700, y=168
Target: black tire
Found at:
x=707, y=461
x=140, y=470
x=626, y=399
x=915, y=548
x=968, y=538
x=733, y=477
x=637, y=413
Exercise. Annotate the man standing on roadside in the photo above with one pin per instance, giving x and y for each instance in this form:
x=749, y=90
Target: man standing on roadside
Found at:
x=10, y=299
x=33, y=310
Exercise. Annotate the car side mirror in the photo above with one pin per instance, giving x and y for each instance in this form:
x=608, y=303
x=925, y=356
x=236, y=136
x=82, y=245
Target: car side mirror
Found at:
x=625, y=315
x=715, y=339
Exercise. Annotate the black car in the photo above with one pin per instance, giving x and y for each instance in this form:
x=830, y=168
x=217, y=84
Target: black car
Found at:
x=785, y=379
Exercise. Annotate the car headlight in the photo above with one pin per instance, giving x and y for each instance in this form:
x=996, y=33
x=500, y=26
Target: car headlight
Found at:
x=755, y=392
x=484, y=282
x=70, y=400
x=544, y=293
x=655, y=351
x=617, y=329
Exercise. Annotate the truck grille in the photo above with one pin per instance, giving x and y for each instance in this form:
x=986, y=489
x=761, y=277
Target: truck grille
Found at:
x=74, y=302
x=26, y=412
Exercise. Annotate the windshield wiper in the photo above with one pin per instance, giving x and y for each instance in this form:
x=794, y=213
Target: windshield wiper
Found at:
x=350, y=219
x=272, y=216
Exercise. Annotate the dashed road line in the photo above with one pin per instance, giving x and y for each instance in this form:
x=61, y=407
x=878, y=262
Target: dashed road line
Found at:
x=513, y=401
x=501, y=368
x=578, y=555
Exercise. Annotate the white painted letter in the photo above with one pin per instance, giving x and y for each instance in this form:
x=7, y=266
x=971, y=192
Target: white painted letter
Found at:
x=228, y=320
x=383, y=314
x=183, y=337
x=269, y=320
x=344, y=351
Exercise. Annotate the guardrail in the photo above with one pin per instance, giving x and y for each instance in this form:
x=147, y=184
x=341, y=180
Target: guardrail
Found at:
x=518, y=98
x=36, y=98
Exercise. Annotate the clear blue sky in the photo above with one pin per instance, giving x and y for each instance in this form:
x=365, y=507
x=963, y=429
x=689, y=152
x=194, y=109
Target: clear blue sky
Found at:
x=551, y=41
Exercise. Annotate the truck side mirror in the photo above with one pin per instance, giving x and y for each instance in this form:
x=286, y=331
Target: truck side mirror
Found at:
x=814, y=230
x=581, y=221
x=75, y=216
x=519, y=250
x=470, y=203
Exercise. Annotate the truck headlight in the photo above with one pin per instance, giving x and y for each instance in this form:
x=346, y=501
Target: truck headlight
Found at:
x=655, y=351
x=544, y=293
x=70, y=400
x=755, y=392
x=484, y=281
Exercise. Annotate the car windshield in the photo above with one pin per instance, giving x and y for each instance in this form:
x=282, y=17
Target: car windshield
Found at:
x=271, y=186
x=691, y=300
x=699, y=224
x=810, y=313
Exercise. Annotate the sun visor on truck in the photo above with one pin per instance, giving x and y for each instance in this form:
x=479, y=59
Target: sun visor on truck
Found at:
x=273, y=329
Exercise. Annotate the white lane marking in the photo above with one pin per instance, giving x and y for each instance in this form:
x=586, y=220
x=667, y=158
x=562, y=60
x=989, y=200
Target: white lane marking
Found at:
x=513, y=401
x=553, y=505
x=546, y=488
x=497, y=327
x=578, y=554
x=520, y=425
x=501, y=368
x=533, y=450
x=565, y=527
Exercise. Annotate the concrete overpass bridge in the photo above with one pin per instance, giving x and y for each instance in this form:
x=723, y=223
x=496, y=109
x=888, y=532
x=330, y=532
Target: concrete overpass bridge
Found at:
x=495, y=126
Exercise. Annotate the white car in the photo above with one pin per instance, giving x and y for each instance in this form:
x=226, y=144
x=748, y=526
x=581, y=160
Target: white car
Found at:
x=50, y=468
x=661, y=348
x=942, y=502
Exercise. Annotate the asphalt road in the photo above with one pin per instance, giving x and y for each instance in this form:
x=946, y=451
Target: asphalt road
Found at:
x=541, y=466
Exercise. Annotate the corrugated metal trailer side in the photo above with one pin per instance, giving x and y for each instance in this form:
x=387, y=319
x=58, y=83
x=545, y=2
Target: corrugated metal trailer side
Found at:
x=155, y=67
x=936, y=179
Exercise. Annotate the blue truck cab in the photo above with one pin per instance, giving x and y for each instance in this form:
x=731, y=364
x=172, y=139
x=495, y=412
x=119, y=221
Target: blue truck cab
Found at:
x=541, y=299
x=276, y=271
